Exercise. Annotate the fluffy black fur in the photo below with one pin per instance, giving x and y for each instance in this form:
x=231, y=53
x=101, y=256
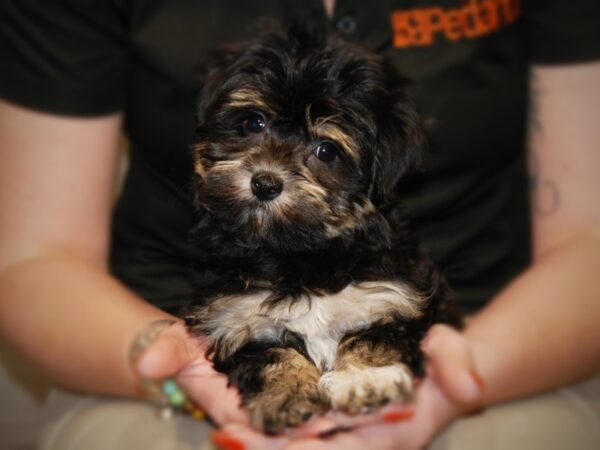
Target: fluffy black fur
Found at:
x=351, y=230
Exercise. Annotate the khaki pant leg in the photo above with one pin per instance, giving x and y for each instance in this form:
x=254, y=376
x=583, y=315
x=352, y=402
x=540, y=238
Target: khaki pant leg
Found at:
x=32, y=416
x=565, y=419
x=101, y=424
x=23, y=397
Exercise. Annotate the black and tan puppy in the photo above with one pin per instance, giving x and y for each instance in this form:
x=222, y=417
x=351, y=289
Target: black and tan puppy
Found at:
x=311, y=291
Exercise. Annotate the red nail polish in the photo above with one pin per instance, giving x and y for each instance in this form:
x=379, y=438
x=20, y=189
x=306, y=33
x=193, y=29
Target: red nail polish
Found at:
x=226, y=442
x=477, y=378
x=398, y=416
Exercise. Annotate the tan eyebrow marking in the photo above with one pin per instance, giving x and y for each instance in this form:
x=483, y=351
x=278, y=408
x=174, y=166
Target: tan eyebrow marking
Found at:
x=198, y=165
x=244, y=98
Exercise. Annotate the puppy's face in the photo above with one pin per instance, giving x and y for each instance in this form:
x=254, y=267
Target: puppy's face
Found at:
x=300, y=139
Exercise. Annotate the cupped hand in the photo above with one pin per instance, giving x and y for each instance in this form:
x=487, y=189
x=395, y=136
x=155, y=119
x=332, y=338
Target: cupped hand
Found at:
x=451, y=388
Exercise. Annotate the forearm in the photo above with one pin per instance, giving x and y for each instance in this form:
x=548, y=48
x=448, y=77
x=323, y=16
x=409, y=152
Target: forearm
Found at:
x=74, y=321
x=535, y=335
x=542, y=330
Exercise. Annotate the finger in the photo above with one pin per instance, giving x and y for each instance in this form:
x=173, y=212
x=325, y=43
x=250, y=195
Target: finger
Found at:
x=393, y=412
x=236, y=436
x=172, y=350
x=256, y=441
x=213, y=393
x=240, y=437
x=450, y=363
x=316, y=426
x=340, y=441
x=391, y=436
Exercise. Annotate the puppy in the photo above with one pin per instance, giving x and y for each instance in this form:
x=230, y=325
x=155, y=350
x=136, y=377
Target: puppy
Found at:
x=311, y=289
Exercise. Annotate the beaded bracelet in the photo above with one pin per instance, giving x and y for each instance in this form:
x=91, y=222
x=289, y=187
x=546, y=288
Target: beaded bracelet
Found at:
x=170, y=398
x=166, y=394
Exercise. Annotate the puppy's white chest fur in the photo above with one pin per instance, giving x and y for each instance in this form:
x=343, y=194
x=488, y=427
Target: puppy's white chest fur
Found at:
x=322, y=321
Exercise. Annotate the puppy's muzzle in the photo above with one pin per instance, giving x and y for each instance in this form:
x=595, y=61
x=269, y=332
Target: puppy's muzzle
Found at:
x=266, y=186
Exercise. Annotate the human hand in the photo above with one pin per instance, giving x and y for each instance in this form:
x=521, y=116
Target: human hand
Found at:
x=176, y=354
x=451, y=388
x=451, y=365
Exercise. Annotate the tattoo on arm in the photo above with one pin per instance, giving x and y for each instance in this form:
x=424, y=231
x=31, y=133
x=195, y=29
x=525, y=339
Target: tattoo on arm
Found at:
x=545, y=195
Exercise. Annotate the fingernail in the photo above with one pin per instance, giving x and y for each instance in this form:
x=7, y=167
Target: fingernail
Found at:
x=226, y=442
x=398, y=416
x=478, y=380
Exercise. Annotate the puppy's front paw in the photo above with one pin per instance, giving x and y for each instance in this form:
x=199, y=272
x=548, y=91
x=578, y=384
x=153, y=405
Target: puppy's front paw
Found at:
x=274, y=410
x=356, y=390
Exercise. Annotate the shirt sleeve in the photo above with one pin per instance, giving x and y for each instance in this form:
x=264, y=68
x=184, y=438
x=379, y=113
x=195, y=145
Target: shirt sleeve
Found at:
x=64, y=56
x=563, y=31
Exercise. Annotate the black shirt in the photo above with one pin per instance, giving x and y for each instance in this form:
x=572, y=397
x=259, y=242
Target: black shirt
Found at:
x=468, y=59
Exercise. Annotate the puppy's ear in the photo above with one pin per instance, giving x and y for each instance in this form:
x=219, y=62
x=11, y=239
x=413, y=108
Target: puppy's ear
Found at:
x=400, y=142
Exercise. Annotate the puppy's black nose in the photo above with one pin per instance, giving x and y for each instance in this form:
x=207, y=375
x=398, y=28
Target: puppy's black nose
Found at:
x=266, y=186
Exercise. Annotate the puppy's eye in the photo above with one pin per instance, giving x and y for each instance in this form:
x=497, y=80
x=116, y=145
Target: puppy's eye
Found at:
x=254, y=123
x=326, y=151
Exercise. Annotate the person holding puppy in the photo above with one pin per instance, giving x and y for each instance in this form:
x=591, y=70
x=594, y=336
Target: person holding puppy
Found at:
x=76, y=72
